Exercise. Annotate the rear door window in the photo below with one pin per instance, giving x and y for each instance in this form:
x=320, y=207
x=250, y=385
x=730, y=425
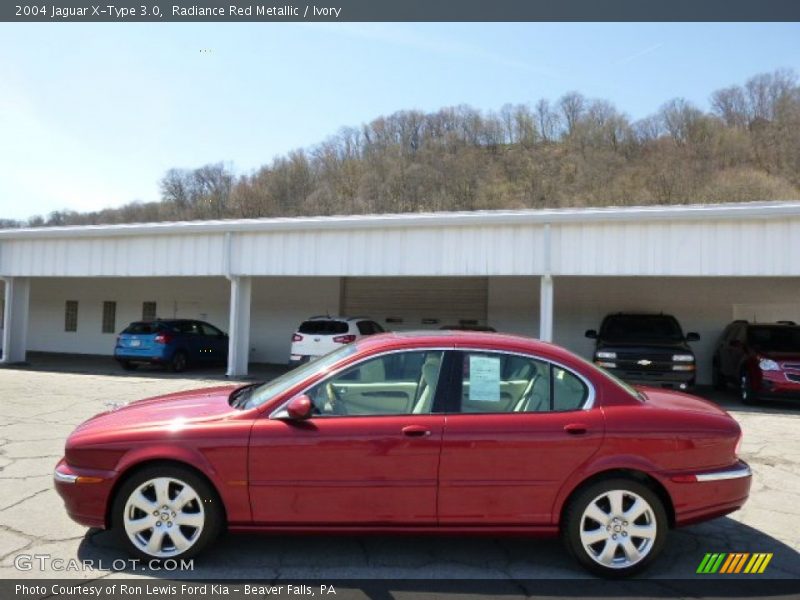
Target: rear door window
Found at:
x=209, y=330
x=188, y=328
x=508, y=383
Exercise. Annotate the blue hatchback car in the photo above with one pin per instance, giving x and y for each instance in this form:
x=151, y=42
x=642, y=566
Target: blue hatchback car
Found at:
x=174, y=343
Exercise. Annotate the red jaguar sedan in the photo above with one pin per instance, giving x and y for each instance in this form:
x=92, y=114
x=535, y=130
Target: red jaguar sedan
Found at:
x=439, y=432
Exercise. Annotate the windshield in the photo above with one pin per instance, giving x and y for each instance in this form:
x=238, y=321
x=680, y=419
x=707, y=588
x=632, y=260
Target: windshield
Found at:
x=641, y=327
x=279, y=385
x=775, y=339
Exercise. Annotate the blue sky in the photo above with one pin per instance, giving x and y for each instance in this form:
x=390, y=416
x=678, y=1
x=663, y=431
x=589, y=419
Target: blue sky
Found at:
x=92, y=115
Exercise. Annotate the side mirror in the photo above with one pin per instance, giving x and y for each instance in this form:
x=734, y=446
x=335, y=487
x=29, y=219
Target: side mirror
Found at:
x=692, y=337
x=299, y=408
x=591, y=334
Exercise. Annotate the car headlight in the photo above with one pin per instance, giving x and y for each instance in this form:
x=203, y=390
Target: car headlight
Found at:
x=683, y=358
x=603, y=354
x=766, y=364
x=605, y=364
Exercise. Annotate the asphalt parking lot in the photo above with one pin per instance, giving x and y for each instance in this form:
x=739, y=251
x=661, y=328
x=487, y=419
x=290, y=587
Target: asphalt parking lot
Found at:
x=40, y=406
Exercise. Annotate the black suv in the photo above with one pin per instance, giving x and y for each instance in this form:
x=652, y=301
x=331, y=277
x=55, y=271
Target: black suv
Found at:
x=645, y=349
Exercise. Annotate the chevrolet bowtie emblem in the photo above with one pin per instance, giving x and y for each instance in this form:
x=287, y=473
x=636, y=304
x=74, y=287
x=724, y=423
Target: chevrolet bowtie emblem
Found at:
x=644, y=362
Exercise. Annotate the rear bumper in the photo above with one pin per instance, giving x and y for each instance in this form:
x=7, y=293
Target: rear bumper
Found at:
x=153, y=355
x=706, y=495
x=295, y=360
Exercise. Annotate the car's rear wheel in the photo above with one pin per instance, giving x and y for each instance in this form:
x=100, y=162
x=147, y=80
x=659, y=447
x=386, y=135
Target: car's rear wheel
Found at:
x=746, y=392
x=166, y=512
x=615, y=527
x=178, y=362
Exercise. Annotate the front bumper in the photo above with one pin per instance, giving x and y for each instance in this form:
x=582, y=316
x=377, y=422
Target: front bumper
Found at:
x=85, y=493
x=778, y=385
x=700, y=496
x=670, y=379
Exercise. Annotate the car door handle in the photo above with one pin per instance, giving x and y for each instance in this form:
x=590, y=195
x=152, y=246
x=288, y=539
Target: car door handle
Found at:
x=575, y=428
x=415, y=431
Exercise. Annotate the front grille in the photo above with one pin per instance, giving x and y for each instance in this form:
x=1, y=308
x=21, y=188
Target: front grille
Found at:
x=795, y=366
x=793, y=377
x=633, y=364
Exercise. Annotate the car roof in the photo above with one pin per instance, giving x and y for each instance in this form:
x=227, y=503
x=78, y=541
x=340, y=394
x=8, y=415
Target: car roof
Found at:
x=464, y=339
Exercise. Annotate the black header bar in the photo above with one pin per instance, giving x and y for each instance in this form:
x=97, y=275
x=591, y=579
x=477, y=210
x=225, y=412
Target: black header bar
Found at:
x=399, y=10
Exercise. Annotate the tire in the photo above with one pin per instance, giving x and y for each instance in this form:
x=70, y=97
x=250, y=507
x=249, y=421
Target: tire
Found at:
x=128, y=365
x=182, y=531
x=717, y=379
x=617, y=551
x=178, y=362
x=746, y=392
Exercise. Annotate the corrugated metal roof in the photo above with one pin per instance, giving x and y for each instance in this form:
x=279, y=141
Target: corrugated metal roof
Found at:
x=688, y=212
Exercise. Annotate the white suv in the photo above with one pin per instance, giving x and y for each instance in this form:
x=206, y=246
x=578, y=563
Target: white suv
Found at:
x=320, y=335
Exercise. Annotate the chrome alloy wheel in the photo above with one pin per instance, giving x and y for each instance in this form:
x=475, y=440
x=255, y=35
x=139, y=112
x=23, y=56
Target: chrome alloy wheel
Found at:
x=618, y=529
x=164, y=517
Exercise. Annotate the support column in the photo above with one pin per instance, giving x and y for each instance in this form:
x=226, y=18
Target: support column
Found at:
x=15, y=319
x=546, y=308
x=239, y=326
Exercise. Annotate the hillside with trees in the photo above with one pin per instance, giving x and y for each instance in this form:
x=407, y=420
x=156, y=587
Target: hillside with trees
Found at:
x=571, y=152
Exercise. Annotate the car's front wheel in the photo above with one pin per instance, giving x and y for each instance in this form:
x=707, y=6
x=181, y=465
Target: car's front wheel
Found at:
x=166, y=512
x=615, y=527
x=746, y=389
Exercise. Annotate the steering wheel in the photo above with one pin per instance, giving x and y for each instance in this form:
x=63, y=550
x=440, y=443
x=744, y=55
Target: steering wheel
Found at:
x=337, y=404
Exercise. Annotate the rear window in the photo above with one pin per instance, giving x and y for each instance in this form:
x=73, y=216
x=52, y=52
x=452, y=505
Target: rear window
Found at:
x=323, y=327
x=641, y=327
x=143, y=328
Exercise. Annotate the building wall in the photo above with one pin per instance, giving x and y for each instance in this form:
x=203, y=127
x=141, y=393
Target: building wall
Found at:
x=280, y=304
x=704, y=305
x=514, y=305
x=191, y=297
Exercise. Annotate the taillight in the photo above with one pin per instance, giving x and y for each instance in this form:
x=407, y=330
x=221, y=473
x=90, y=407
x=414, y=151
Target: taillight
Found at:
x=163, y=338
x=297, y=337
x=344, y=339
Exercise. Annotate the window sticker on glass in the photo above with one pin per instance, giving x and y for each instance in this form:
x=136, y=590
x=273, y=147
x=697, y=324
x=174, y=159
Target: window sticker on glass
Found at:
x=484, y=378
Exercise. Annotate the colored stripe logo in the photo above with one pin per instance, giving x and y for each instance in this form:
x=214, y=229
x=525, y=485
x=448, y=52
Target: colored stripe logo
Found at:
x=734, y=562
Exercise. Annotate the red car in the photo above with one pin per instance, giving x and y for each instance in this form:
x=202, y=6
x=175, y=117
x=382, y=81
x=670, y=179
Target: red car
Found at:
x=762, y=358
x=456, y=432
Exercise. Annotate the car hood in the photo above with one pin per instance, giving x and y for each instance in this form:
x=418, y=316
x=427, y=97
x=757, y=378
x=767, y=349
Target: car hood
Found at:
x=672, y=400
x=183, y=407
x=780, y=356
